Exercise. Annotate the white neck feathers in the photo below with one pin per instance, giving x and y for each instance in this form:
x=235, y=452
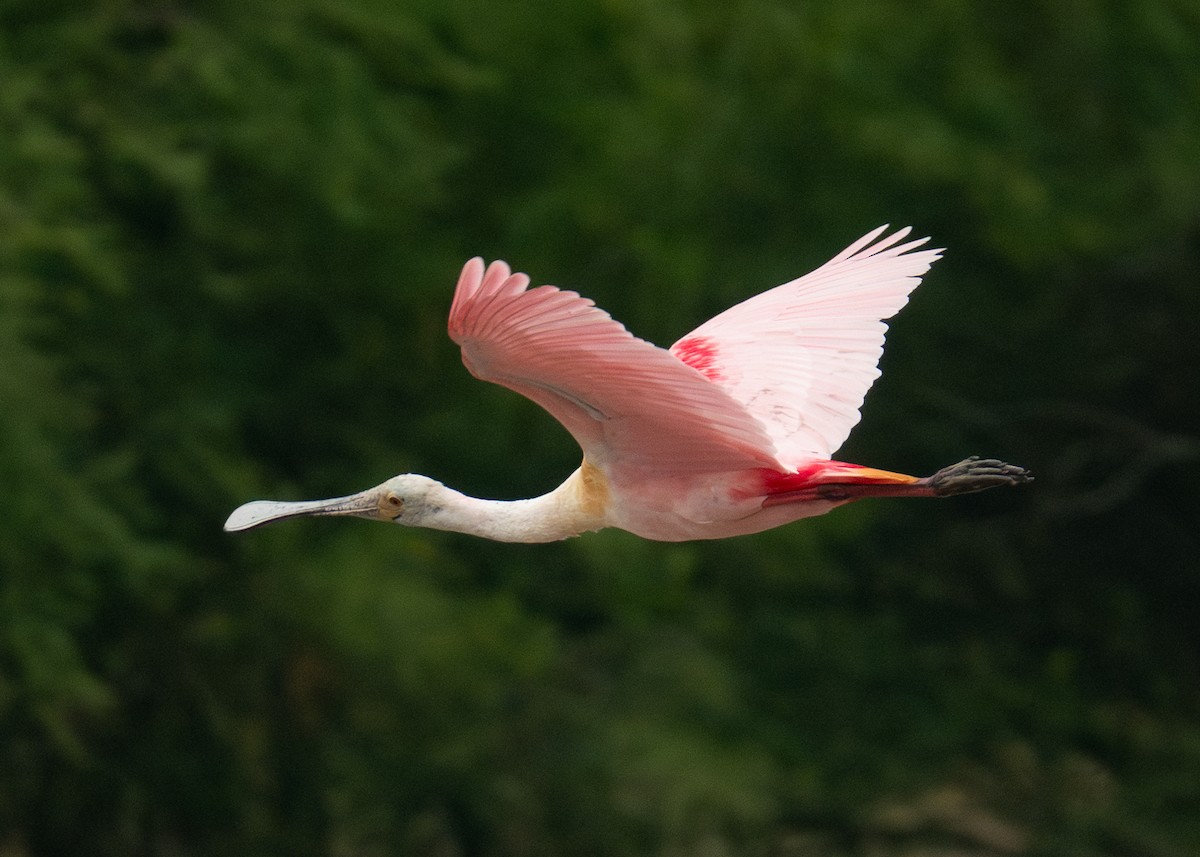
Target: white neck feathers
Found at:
x=576, y=506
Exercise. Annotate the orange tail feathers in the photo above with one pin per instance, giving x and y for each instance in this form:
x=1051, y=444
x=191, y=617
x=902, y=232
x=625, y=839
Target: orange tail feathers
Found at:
x=838, y=480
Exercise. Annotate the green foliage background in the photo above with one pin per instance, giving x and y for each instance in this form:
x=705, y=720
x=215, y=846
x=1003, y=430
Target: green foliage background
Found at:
x=228, y=238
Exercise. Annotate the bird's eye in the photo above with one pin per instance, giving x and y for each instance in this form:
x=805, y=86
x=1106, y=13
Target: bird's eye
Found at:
x=394, y=501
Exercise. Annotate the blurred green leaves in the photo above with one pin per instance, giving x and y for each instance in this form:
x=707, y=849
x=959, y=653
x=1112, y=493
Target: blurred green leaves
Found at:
x=230, y=235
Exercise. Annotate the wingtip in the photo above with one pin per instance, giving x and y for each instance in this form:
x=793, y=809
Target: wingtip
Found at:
x=471, y=276
x=889, y=245
x=474, y=269
x=469, y=282
x=870, y=243
x=497, y=272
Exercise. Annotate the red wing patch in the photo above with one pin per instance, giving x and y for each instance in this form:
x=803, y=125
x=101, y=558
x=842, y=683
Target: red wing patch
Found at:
x=775, y=482
x=700, y=353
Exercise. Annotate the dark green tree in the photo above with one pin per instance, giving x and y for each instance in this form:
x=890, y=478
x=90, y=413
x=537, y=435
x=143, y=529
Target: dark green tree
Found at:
x=228, y=238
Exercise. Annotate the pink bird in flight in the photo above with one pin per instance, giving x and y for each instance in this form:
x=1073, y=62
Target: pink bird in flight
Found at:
x=729, y=432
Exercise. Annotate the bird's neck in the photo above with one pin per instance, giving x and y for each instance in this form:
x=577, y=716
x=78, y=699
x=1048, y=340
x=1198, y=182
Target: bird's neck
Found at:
x=576, y=506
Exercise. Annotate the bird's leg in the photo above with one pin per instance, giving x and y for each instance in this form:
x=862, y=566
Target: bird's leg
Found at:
x=965, y=477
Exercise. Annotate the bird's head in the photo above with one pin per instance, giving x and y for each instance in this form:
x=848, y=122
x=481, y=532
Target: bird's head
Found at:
x=404, y=499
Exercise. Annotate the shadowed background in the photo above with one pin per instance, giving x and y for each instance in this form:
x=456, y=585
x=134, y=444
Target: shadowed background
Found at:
x=229, y=234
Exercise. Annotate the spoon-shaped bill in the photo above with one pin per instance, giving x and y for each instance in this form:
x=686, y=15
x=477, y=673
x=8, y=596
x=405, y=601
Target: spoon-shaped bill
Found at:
x=259, y=512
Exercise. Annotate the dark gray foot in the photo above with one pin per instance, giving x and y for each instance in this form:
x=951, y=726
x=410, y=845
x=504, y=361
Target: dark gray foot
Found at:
x=976, y=474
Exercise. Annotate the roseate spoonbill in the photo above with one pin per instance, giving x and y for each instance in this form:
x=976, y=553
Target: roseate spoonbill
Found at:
x=729, y=432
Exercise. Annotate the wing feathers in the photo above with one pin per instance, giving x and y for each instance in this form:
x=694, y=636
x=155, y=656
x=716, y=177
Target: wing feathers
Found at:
x=627, y=402
x=802, y=356
x=772, y=382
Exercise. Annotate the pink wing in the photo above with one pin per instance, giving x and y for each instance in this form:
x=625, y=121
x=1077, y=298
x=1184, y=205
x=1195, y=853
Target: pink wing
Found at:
x=801, y=357
x=626, y=401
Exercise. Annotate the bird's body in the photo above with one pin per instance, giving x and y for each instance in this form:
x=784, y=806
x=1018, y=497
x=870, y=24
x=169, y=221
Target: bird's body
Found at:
x=729, y=432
